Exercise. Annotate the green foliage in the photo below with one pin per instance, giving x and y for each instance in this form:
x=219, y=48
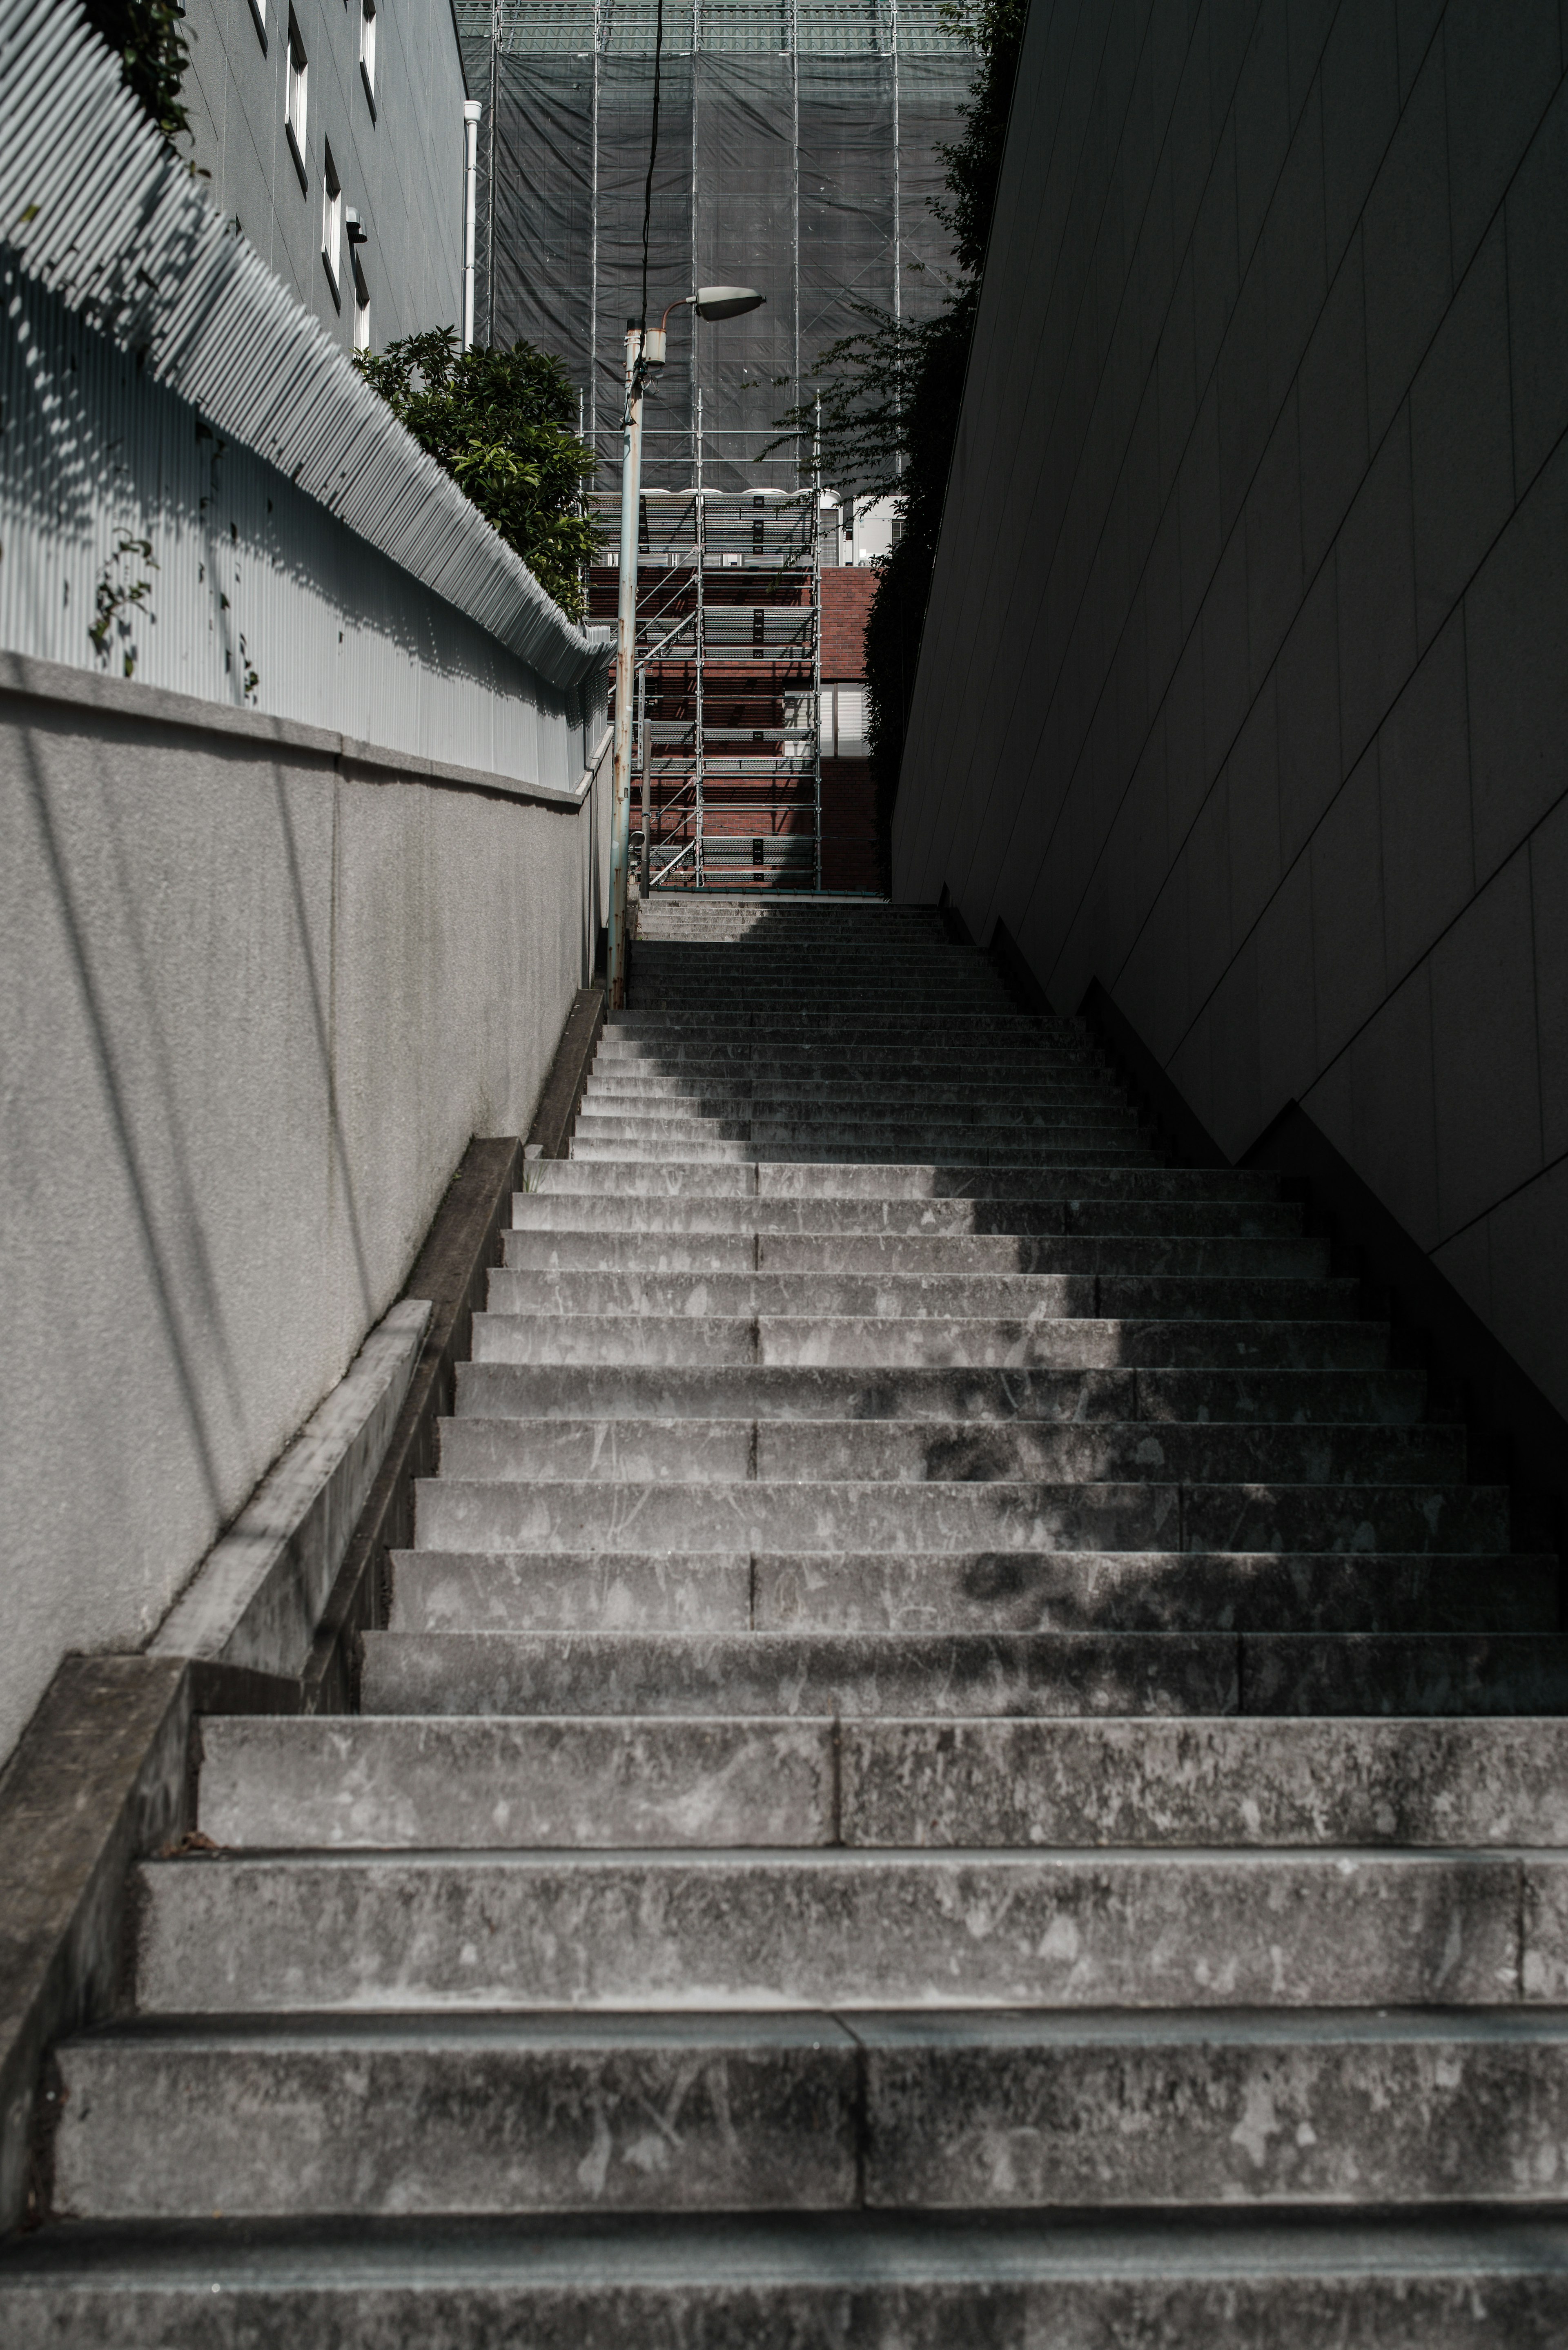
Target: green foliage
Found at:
x=502, y=423
x=148, y=38
x=886, y=399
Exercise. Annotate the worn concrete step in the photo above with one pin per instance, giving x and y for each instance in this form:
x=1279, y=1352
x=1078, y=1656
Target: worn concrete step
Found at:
x=864, y=1929
x=977, y=1187
x=674, y=1124
x=452, y=1513
x=1004, y=1674
x=586, y=1513
x=898, y=1296
x=1019, y=1104
x=1255, y=2280
x=463, y=2115
x=648, y=1450
x=966, y=1154
x=1391, y=1592
x=905, y=1059
x=498, y=1391
x=535, y=1250
x=1059, y=1342
x=836, y=1021
x=553, y=1209
x=761, y=1391
x=785, y=1673
x=495, y=1783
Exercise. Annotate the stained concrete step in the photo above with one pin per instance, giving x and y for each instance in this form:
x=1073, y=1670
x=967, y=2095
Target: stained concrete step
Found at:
x=1329, y=1928
x=787, y=1673
x=418, y=2115
x=1059, y=1342
x=496, y=1390
x=1025, y=1104
x=965, y=1153
x=879, y=1254
x=1254, y=2281
x=496, y=1783
x=553, y=1207
x=730, y=1451
x=507, y=1514
x=977, y=1187
x=944, y=1674
x=908, y=1297
x=1389, y=1592
x=905, y=1059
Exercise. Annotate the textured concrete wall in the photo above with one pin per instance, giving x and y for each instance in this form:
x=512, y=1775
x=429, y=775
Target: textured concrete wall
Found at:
x=401, y=169
x=1243, y=686
x=256, y=1006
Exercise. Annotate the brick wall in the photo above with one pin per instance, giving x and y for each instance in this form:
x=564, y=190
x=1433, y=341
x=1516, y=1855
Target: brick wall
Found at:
x=846, y=593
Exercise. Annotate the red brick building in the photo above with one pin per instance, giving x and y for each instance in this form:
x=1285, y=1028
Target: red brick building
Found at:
x=849, y=815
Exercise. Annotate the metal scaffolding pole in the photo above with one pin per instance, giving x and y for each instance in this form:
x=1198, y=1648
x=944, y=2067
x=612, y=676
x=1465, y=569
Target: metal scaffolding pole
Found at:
x=794, y=203
x=594, y=248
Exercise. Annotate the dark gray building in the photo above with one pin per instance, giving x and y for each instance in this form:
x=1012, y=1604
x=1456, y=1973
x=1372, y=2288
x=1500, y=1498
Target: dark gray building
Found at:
x=1242, y=690
x=333, y=132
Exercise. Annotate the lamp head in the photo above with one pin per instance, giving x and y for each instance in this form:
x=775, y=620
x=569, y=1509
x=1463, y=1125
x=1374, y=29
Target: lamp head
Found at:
x=726, y=301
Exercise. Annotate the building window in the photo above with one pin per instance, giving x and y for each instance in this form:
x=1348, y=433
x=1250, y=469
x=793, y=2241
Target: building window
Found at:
x=258, y=17
x=368, y=51
x=331, y=224
x=294, y=100
x=361, y=314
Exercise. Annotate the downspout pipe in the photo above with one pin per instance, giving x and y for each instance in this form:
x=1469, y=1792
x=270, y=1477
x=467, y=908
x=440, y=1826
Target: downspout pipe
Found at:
x=471, y=111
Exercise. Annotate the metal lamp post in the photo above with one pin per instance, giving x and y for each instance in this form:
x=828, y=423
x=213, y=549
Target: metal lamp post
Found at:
x=645, y=352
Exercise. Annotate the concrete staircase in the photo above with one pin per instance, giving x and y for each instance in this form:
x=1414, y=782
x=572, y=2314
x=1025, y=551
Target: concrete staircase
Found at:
x=958, y=1760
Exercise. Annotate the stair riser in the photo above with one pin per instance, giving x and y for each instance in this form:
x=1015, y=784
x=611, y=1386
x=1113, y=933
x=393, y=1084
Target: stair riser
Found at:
x=1063, y=1591
x=632, y=1214
x=1061, y=1344
x=1106, y=1930
x=974, y=1188
x=906, y=1296
x=654, y=1451
x=526, y=1391
x=514, y=2124
x=955, y=1256
x=956, y=1676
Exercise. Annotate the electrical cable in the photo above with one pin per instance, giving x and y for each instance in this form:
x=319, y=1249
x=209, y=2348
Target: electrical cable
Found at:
x=653, y=157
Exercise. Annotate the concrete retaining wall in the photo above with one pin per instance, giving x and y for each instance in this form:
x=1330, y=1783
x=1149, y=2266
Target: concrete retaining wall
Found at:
x=1242, y=685
x=261, y=988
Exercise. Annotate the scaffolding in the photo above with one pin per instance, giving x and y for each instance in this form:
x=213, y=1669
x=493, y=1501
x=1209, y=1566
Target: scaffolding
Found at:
x=799, y=147
x=727, y=746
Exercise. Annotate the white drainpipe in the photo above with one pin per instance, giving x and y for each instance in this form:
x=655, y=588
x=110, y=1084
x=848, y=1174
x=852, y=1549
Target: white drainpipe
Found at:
x=470, y=113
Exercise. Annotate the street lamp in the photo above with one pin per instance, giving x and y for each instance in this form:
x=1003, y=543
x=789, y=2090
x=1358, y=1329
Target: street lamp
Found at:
x=645, y=351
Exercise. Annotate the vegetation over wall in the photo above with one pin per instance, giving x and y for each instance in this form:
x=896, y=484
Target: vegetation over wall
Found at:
x=501, y=423
x=148, y=38
x=890, y=396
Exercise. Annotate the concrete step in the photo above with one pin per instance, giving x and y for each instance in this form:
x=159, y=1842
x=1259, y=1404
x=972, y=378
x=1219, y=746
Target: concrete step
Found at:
x=964, y=1153
x=1258, y=2280
x=982, y=1186
x=492, y=1783
x=555, y=1209
x=1023, y=1103
x=534, y=1250
x=906, y=1059
x=497, y=1390
x=767, y=1674
x=679, y=1450
x=468, y=2115
x=452, y=1513
x=1326, y=1928
x=1389, y=1592
x=909, y=1297
x=1050, y=1343
x=961, y=1673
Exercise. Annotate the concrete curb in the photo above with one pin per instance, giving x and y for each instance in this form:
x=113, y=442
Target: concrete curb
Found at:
x=259, y=1593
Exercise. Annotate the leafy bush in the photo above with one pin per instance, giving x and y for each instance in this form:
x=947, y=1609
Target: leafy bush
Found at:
x=502, y=423
x=148, y=38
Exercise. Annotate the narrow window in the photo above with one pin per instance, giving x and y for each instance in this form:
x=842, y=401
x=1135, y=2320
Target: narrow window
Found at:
x=294, y=100
x=258, y=15
x=368, y=51
x=331, y=222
